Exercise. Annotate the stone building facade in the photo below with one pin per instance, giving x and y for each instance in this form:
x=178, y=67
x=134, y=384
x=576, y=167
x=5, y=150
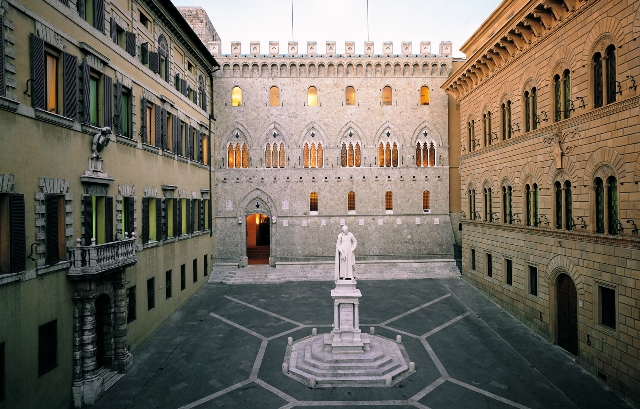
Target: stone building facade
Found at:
x=105, y=194
x=311, y=140
x=550, y=173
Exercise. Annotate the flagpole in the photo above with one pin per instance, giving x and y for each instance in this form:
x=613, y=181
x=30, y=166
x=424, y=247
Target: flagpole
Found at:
x=293, y=39
x=367, y=20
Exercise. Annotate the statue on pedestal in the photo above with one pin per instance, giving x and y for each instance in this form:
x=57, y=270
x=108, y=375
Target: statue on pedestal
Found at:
x=345, y=258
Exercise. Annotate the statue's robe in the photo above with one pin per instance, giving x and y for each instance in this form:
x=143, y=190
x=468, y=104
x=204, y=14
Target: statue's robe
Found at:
x=345, y=268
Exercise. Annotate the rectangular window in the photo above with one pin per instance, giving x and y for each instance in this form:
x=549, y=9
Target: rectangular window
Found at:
x=128, y=216
x=47, y=347
x=93, y=100
x=150, y=125
x=533, y=280
x=489, y=266
x=184, y=215
x=51, y=85
x=55, y=229
x=131, y=304
x=125, y=113
x=169, y=132
x=205, y=262
x=170, y=203
x=607, y=306
x=207, y=217
x=151, y=293
x=508, y=266
x=195, y=215
x=195, y=270
x=167, y=284
x=97, y=219
x=149, y=219
x=183, y=139
x=473, y=259
x=183, y=277
x=120, y=37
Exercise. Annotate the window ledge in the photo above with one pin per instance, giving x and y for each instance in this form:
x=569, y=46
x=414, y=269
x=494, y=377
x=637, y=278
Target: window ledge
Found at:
x=351, y=212
x=196, y=233
x=169, y=154
x=9, y=104
x=27, y=275
x=426, y=210
x=313, y=213
x=151, y=244
x=388, y=212
x=151, y=148
x=125, y=140
x=170, y=240
x=54, y=119
x=61, y=265
x=182, y=159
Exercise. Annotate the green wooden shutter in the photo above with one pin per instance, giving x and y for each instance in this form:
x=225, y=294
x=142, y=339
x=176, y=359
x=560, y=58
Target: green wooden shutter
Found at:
x=189, y=216
x=177, y=218
x=87, y=219
x=2, y=79
x=113, y=30
x=37, y=72
x=81, y=8
x=130, y=43
x=108, y=219
x=18, y=241
x=144, y=53
x=70, y=85
x=161, y=226
x=98, y=15
x=143, y=119
x=117, y=113
x=158, y=113
x=176, y=133
x=200, y=147
x=51, y=229
x=145, y=220
x=86, y=92
x=108, y=102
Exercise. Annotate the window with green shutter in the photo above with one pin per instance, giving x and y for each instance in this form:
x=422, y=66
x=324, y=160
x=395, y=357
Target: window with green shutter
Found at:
x=612, y=204
x=599, y=198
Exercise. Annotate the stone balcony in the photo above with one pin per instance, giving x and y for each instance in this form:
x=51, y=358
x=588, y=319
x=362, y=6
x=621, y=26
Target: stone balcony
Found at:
x=94, y=260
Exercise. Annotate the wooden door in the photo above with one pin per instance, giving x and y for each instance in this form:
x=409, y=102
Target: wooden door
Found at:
x=567, y=307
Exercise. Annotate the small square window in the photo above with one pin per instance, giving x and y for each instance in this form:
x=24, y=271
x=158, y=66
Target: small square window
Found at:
x=607, y=306
x=508, y=266
x=145, y=21
x=533, y=281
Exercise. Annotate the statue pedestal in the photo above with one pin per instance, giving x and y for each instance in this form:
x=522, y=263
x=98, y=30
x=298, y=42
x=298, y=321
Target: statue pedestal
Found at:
x=346, y=337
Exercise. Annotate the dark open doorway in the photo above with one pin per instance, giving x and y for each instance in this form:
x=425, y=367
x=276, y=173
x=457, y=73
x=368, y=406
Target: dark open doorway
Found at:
x=258, y=238
x=567, y=308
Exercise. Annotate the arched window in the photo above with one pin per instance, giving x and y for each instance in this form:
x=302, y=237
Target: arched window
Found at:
x=230, y=157
x=527, y=112
x=568, y=206
x=527, y=200
x=394, y=155
x=507, y=196
x=599, y=193
x=313, y=202
x=274, y=155
x=534, y=108
x=282, y=156
x=426, y=202
x=432, y=154
x=606, y=205
x=388, y=201
x=470, y=141
x=597, y=80
x=611, y=73
x=351, y=202
x=425, y=95
x=387, y=97
x=305, y=155
x=489, y=135
x=387, y=155
x=487, y=205
x=312, y=96
x=313, y=158
x=534, y=205
x=357, y=159
x=566, y=78
x=472, y=203
x=236, y=97
x=503, y=121
x=612, y=205
x=320, y=156
x=418, y=155
x=343, y=155
x=350, y=96
x=484, y=131
x=267, y=156
x=238, y=160
x=245, y=156
x=274, y=96
x=381, y=155
x=557, y=98
x=557, y=188
x=350, y=155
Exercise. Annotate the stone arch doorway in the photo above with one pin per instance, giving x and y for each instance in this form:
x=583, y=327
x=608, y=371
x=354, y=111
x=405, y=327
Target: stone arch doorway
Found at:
x=567, y=313
x=258, y=238
x=104, y=331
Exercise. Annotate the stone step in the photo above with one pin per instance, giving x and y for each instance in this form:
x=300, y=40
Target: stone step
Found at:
x=315, y=360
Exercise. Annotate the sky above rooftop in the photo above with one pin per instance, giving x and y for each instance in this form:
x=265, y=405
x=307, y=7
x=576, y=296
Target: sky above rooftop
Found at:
x=345, y=20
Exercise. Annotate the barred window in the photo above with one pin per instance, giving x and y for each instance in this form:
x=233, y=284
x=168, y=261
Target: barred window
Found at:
x=426, y=201
x=351, y=201
x=388, y=200
x=313, y=202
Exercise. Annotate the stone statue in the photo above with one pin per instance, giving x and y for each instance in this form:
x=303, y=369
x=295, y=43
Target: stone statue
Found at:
x=345, y=259
x=100, y=141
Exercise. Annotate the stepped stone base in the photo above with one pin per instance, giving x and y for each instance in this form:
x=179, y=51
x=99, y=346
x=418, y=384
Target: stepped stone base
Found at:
x=309, y=358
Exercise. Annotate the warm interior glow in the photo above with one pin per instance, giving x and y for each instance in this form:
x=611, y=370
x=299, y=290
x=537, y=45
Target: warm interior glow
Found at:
x=236, y=97
x=387, y=98
x=350, y=96
x=52, y=83
x=257, y=218
x=274, y=96
x=312, y=97
x=424, y=95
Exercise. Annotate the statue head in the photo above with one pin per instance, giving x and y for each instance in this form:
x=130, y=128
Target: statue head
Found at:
x=345, y=229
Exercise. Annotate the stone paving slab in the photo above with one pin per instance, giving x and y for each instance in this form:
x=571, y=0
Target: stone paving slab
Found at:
x=225, y=347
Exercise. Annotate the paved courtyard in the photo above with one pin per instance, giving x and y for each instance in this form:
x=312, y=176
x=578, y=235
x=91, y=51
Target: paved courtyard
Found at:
x=225, y=348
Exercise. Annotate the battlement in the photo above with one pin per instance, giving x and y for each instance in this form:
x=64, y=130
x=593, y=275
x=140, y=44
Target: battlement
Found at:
x=406, y=49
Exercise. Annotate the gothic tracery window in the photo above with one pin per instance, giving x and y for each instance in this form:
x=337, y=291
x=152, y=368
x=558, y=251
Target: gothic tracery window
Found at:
x=425, y=154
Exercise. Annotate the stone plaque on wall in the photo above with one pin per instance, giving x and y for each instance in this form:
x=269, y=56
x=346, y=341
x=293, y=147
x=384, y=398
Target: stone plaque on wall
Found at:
x=346, y=316
x=229, y=205
x=285, y=205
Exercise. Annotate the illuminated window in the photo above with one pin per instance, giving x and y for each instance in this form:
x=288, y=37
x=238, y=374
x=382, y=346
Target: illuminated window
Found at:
x=381, y=155
x=425, y=95
x=313, y=154
x=305, y=155
x=387, y=155
x=426, y=201
x=238, y=158
x=282, y=156
x=350, y=96
x=351, y=201
x=236, y=97
x=274, y=96
x=387, y=98
x=267, y=156
x=320, y=155
x=394, y=155
x=388, y=200
x=245, y=156
x=357, y=153
x=343, y=155
x=350, y=155
x=312, y=96
x=51, y=88
x=313, y=202
x=231, y=157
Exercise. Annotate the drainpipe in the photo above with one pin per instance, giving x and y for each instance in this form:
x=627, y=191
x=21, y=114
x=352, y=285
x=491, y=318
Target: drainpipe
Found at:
x=211, y=118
